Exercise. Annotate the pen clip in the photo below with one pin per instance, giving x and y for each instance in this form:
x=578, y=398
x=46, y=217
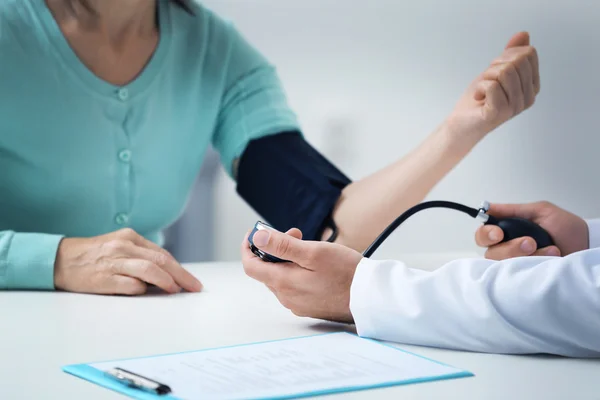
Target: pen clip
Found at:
x=138, y=382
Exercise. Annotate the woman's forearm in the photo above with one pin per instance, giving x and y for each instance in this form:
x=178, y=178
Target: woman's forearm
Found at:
x=368, y=206
x=504, y=90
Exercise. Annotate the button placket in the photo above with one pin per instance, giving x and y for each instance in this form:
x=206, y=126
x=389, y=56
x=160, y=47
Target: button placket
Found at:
x=121, y=219
x=123, y=156
x=123, y=94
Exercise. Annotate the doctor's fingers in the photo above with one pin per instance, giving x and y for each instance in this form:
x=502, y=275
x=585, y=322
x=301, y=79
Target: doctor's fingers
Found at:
x=278, y=277
x=295, y=232
x=488, y=235
x=503, y=254
x=258, y=269
x=551, y=251
x=529, y=211
x=521, y=247
x=285, y=246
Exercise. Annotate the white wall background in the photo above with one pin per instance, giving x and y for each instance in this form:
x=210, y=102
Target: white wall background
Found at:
x=389, y=71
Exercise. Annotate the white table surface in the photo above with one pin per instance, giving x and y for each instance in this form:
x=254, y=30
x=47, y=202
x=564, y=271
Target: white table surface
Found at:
x=41, y=332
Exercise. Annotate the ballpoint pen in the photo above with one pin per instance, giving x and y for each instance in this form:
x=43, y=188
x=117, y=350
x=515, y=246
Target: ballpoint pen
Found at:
x=137, y=381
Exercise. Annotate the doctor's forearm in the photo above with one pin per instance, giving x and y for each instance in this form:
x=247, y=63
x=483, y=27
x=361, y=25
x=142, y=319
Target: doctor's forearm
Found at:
x=368, y=206
x=522, y=305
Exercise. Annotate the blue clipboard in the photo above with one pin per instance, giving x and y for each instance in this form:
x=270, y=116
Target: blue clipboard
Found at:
x=91, y=374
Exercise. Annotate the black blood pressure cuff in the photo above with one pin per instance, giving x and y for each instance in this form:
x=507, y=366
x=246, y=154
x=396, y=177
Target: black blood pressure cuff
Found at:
x=290, y=184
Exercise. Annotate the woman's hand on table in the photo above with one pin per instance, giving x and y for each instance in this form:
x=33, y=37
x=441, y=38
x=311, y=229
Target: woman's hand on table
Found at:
x=122, y=263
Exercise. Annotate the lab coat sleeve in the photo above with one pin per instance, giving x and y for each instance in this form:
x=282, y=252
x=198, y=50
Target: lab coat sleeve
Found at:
x=594, y=231
x=27, y=260
x=518, y=306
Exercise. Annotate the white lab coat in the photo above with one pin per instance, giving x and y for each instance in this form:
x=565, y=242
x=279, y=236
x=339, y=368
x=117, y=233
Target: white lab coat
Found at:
x=517, y=306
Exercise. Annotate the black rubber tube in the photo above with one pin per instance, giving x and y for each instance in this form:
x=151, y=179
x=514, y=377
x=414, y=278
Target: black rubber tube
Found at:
x=412, y=211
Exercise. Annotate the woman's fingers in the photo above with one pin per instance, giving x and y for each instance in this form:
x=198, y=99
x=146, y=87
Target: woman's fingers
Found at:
x=494, y=98
x=168, y=264
x=510, y=85
x=159, y=256
x=146, y=271
x=535, y=65
x=126, y=285
x=508, y=77
x=525, y=71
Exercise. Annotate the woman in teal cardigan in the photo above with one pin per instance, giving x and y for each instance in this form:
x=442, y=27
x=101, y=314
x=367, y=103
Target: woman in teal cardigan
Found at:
x=107, y=108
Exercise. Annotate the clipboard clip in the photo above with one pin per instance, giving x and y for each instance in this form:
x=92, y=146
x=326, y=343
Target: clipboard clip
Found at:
x=138, y=382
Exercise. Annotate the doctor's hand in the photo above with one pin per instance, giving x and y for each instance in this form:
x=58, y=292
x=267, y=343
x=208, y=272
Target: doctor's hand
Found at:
x=315, y=284
x=569, y=232
x=121, y=263
x=505, y=89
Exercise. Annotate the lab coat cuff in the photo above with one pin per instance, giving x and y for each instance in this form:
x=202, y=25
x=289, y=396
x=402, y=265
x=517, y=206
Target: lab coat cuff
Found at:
x=30, y=261
x=594, y=232
x=361, y=293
